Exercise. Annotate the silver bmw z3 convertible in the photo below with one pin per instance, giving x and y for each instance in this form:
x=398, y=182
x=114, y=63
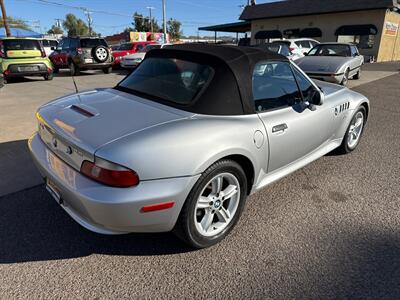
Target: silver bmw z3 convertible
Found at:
x=182, y=141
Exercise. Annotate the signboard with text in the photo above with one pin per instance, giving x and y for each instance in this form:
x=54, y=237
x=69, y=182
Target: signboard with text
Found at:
x=391, y=28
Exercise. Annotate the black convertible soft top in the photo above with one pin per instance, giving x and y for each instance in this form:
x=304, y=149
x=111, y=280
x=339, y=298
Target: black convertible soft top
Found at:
x=230, y=90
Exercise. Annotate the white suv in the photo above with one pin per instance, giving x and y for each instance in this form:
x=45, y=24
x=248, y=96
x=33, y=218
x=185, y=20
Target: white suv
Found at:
x=299, y=46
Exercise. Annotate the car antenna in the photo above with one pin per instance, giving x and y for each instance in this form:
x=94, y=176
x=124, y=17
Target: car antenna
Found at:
x=76, y=88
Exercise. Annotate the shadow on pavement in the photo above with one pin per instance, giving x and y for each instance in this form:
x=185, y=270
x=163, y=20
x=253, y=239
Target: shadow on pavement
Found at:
x=14, y=80
x=17, y=170
x=34, y=228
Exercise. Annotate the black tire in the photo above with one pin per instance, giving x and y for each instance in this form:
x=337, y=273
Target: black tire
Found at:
x=107, y=70
x=100, y=53
x=48, y=76
x=345, y=79
x=344, y=148
x=358, y=74
x=74, y=69
x=56, y=69
x=185, y=227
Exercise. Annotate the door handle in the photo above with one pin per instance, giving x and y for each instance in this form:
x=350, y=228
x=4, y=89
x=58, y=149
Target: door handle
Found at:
x=280, y=127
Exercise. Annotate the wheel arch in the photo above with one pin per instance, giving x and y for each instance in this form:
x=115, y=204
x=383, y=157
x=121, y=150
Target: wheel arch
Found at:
x=366, y=106
x=247, y=166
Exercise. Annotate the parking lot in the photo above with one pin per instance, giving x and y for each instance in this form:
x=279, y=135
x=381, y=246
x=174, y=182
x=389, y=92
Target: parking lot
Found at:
x=330, y=230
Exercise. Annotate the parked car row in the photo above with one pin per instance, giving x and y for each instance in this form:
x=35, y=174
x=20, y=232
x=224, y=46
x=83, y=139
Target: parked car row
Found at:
x=331, y=62
x=39, y=57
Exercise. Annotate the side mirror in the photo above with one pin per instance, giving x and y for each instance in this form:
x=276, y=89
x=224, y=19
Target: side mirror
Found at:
x=53, y=48
x=317, y=99
x=305, y=53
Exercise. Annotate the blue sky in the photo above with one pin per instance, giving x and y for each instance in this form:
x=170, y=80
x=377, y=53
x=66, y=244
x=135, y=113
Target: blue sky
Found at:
x=192, y=13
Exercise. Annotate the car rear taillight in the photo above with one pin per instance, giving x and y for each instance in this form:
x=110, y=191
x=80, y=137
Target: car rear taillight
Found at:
x=292, y=49
x=79, y=50
x=6, y=72
x=109, y=173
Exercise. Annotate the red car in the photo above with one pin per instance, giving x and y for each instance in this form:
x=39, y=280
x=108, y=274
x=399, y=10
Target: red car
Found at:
x=127, y=49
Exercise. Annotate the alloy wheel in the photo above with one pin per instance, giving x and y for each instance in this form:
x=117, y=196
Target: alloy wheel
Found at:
x=355, y=130
x=217, y=204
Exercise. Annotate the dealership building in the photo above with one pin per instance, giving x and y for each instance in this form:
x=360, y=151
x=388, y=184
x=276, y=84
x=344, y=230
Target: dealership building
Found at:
x=371, y=24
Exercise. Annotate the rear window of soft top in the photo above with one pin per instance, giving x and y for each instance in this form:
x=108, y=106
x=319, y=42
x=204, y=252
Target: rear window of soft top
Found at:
x=169, y=79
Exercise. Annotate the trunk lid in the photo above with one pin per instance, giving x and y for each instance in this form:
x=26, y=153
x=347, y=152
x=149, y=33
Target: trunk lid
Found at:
x=92, y=119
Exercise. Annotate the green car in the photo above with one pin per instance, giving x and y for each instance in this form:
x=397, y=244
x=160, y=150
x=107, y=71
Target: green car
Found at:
x=24, y=57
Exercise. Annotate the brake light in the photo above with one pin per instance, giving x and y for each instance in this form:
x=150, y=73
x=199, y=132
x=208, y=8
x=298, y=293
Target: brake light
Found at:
x=109, y=173
x=6, y=72
x=292, y=49
x=79, y=50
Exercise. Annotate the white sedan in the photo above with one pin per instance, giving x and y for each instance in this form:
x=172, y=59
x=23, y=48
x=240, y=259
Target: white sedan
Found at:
x=133, y=60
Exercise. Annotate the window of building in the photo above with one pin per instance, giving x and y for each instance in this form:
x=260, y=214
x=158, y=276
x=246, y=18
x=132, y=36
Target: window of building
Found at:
x=362, y=41
x=361, y=35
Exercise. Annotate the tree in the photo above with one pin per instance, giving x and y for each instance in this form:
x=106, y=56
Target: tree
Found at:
x=15, y=23
x=75, y=26
x=55, y=30
x=174, y=29
x=142, y=24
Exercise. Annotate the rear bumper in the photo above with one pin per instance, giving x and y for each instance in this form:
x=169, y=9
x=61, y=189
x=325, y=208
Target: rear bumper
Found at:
x=130, y=64
x=95, y=66
x=109, y=210
x=19, y=70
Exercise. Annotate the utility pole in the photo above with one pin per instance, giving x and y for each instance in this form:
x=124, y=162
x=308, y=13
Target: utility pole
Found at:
x=58, y=23
x=3, y=13
x=150, y=8
x=89, y=20
x=164, y=21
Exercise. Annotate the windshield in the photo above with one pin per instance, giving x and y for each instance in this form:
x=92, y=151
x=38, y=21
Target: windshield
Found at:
x=125, y=47
x=20, y=44
x=330, y=50
x=148, y=48
x=169, y=79
x=90, y=43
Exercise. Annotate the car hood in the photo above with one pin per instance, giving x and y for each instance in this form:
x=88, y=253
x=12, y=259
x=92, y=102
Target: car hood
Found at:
x=322, y=63
x=94, y=118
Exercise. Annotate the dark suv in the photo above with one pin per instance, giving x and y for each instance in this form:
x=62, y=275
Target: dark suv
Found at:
x=82, y=53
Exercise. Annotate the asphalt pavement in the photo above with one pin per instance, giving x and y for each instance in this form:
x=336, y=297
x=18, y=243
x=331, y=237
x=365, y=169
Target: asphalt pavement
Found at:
x=328, y=231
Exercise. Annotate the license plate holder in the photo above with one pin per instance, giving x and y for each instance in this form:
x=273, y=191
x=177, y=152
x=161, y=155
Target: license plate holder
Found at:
x=52, y=188
x=28, y=69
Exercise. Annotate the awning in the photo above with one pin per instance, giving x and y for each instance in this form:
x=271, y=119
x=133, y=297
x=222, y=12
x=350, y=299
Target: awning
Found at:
x=229, y=27
x=268, y=34
x=18, y=32
x=294, y=31
x=367, y=29
x=313, y=32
